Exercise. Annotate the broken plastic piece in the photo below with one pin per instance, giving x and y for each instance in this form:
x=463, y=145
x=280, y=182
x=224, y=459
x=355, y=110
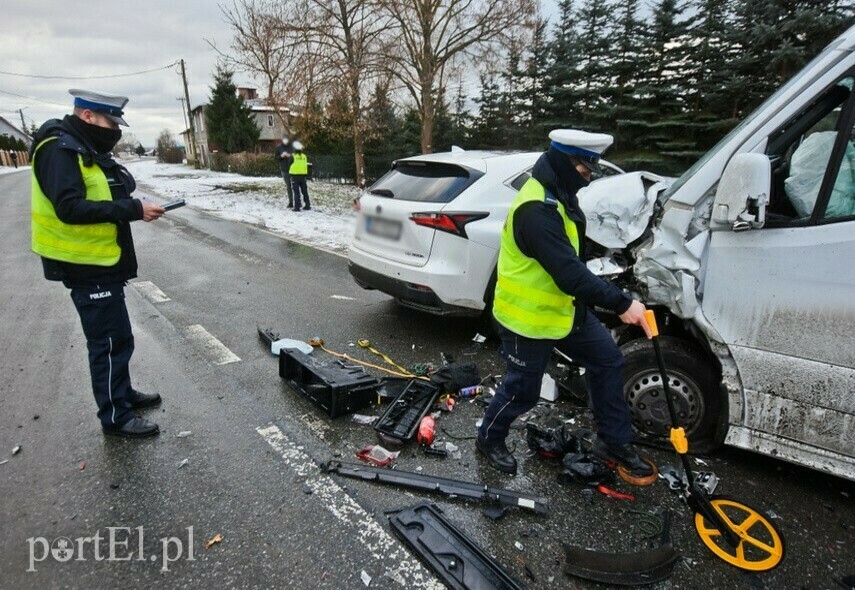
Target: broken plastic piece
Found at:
x=431, y=483
x=183, y=463
x=377, y=455
x=277, y=346
x=495, y=512
x=586, y=468
x=366, y=579
x=401, y=419
x=519, y=546
x=479, y=338
x=184, y=434
x=16, y=450
x=614, y=494
x=218, y=538
x=363, y=419
x=451, y=554
x=624, y=569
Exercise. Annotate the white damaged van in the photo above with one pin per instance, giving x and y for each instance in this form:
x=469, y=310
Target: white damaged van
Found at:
x=749, y=262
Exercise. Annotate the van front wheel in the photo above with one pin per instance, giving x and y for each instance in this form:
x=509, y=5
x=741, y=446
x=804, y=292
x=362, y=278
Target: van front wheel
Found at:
x=694, y=386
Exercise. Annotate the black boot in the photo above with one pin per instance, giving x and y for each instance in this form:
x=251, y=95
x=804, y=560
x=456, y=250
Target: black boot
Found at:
x=624, y=455
x=136, y=427
x=140, y=400
x=498, y=455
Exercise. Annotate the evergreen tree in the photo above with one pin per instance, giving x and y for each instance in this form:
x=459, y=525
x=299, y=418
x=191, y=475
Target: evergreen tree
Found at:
x=534, y=96
x=461, y=120
x=659, y=122
x=708, y=91
x=140, y=151
x=594, y=64
x=489, y=130
x=231, y=126
x=562, y=76
x=382, y=133
x=625, y=72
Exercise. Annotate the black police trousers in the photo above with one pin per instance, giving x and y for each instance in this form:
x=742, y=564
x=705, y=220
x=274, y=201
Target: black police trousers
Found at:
x=110, y=341
x=298, y=182
x=526, y=359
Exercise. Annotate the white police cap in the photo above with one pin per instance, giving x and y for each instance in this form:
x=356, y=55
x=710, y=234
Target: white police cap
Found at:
x=586, y=147
x=106, y=104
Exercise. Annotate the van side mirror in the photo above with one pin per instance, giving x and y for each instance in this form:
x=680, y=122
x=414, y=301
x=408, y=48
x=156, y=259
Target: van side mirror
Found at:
x=743, y=193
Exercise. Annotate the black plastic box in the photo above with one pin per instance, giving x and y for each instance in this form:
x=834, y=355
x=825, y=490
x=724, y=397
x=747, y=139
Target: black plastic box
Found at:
x=336, y=388
x=401, y=419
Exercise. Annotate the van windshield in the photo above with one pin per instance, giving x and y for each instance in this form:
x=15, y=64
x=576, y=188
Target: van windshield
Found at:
x=747, y=121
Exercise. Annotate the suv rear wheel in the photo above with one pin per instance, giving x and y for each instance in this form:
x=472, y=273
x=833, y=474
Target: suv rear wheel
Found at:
x=694, y=387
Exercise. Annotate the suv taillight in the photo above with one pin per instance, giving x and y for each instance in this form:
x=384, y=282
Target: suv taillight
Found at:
x=453, y=223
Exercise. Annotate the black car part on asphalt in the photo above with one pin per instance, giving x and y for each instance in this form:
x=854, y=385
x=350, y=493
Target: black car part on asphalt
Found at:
x=452, y=555
x=431, y=483
x=336, y=387
x=401, y=418
x=625, y=569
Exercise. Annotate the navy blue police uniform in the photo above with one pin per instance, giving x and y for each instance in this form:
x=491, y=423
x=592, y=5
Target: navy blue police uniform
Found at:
x=96, y=291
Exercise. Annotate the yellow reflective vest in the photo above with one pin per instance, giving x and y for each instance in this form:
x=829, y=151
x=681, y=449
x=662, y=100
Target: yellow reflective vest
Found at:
x=300, y=165
x=527, y=301
x=91, y=243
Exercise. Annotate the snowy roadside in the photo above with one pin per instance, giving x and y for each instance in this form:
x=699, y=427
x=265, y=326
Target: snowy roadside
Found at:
x=11, y=169
x=260, y=201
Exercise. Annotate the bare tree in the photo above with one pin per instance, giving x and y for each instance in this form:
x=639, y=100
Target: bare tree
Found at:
x=430, y=36
x=266, y=45
x=346, y=34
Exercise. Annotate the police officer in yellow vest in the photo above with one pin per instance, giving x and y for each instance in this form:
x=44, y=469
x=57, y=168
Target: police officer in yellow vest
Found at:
x=541, y=300
x=81, y=214
x=299, y=171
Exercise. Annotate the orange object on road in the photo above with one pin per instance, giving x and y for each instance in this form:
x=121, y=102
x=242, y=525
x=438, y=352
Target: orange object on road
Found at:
x=427, y=430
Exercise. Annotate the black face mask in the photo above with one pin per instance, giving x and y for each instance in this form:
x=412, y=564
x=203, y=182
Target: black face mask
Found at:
x=102, y=139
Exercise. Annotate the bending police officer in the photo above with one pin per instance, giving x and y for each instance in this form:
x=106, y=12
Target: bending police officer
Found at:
x=81, y=214
x=541, y=300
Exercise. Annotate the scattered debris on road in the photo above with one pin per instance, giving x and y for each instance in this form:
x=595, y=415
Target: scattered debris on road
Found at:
x=218, y=538
x=184, y=434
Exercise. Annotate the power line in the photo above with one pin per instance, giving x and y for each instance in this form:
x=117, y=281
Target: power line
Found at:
x=172, y=65
x=31, y=98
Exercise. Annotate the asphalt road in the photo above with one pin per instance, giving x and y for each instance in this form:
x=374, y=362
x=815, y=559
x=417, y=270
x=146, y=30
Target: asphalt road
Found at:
x=250, y=474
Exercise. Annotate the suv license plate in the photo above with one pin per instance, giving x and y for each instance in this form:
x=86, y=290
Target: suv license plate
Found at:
x=383, y=228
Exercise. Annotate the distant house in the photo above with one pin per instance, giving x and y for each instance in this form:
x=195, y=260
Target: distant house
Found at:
x=267, y=119
x=6, y=128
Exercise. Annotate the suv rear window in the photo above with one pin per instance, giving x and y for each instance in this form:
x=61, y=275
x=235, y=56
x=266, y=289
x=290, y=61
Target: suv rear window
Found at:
x=424, y=181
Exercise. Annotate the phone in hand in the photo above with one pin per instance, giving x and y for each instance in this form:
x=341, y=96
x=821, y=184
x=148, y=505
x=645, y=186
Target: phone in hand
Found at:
x=174, y=204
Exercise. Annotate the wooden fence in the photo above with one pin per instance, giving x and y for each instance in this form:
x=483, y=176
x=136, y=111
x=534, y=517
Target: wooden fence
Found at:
x=6, y=158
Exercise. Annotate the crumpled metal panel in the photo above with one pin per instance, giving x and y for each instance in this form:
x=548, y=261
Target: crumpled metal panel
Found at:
x=669, y=266
x=618, y=208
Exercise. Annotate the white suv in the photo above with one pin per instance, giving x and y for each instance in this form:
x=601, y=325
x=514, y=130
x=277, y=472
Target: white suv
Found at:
x=428, y=231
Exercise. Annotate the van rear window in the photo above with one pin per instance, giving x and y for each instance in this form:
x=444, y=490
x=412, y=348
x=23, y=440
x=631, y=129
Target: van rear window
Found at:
x=424, y=181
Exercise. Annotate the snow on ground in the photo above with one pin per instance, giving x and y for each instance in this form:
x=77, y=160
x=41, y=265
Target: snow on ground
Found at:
x=11, y=169
x=261, y=201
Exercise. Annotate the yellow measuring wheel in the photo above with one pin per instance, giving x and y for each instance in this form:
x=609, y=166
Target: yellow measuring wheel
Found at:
x=735, y=532
x=761, y=545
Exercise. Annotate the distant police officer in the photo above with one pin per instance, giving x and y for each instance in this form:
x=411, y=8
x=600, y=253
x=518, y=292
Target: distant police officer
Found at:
x=81, y=214
x=299, y=171
x=542, y=297
x=284, y=159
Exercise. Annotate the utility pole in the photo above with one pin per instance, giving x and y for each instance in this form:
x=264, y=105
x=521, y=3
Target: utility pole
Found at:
x=183, y=110
x=190, y=117
x=23, y=125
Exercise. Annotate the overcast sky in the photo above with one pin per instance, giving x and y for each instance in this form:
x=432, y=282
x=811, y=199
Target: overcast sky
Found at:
x=105, y=38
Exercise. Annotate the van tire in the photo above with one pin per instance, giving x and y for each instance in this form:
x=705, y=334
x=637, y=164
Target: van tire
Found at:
x=694, y=381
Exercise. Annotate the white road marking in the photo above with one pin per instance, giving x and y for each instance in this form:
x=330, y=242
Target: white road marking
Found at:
x=150, y=291
x=385, y=549
x=214, y=349
x=343, y=297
